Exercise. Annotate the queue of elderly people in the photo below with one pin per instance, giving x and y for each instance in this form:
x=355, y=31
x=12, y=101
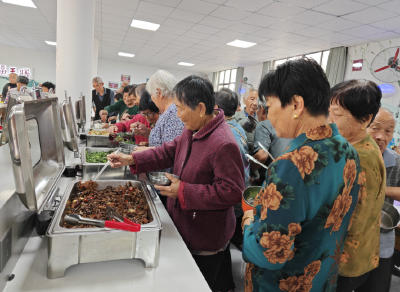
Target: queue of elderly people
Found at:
x=315, y=224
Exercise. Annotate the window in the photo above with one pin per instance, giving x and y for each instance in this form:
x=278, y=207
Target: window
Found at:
x=227, y=79
x=321, y=58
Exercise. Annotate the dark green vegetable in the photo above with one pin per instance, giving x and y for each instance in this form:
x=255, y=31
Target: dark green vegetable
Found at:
x=97, y=157
x=123, y=137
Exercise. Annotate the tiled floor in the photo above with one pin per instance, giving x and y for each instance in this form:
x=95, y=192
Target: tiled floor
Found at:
x=238, y=272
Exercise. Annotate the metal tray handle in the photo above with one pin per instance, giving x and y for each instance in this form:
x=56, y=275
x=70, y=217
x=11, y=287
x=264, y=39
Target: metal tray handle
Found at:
x=21, y=157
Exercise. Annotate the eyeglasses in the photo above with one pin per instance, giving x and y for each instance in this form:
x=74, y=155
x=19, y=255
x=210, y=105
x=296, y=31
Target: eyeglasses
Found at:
x=147, y=115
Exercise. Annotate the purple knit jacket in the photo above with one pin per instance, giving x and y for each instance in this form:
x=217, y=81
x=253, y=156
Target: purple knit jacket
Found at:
x=212, y=180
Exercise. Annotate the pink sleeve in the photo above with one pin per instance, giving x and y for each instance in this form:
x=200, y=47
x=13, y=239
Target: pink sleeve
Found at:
x=181, y=196
x=121, y=127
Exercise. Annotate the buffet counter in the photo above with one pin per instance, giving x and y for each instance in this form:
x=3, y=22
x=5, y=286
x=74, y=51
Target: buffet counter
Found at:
x=177, y=270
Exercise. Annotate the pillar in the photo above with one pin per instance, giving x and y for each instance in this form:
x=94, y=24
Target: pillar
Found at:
x=95, y=58
x=75, y=45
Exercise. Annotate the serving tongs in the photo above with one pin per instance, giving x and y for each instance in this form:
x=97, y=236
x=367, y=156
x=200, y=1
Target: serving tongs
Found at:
x=269, y=154
x=105, y=166
x=255, y=161
x=127, y=225
x=113, y=214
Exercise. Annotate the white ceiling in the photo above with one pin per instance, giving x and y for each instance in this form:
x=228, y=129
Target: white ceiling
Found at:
x=196, y=31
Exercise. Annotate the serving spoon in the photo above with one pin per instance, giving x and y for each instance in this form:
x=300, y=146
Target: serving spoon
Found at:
x=105, y=166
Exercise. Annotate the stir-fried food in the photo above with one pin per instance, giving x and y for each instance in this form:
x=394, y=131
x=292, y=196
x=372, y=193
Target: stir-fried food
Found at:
x=92, y=203
x=96, y=132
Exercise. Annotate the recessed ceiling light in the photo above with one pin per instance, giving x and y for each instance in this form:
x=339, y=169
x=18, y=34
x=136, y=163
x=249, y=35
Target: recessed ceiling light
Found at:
x=126, y=55
x=185, y=64
x=241, y=44
x=144, y=25
x=51, y=43
x=26, y=3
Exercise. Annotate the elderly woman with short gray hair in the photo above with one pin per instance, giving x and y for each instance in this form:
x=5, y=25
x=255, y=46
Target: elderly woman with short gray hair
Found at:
x=21, y=81
x=168, y=126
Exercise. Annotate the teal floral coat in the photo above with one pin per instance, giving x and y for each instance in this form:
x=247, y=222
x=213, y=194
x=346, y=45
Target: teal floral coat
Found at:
x=302, y=214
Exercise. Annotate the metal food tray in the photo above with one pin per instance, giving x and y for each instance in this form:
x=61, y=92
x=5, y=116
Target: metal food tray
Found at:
x=90, y=170
x=99, y=140
x=68, y=247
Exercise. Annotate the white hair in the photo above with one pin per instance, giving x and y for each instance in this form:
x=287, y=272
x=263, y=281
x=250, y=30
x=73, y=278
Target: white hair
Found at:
x=97, y=80
x=388, y=111
x=163, y=80
x=248, y=92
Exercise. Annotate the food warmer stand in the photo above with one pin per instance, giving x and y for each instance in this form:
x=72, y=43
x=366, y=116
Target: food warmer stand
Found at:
x=36, y=187
x=32, y=148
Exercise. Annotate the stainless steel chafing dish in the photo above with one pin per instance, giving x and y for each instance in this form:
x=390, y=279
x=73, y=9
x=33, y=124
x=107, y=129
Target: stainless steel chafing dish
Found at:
x=68, y=247
x=37, y=91
x=36, y=167
x=89, y=170
x=38, y=161
x=15, y=98
x=80, y=112
x=68, y=126
x=99, y=140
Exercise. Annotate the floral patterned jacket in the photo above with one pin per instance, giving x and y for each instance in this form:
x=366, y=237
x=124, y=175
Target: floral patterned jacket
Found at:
x=302, y=214
x=361, y=251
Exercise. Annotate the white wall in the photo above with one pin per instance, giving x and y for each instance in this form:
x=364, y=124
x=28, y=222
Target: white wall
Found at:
x=253, y=74
x=43, y=64
x=368, y=52
x=110, y=70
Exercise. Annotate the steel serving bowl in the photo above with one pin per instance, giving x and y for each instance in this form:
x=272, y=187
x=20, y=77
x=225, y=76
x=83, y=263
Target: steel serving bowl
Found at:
x=248, y=196
x=127, y=148
x=390, y=218
x=159, y=178
x=249, y=124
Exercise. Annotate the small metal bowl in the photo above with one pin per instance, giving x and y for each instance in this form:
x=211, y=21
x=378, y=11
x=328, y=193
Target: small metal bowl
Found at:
x=128, y=134
x=249, y=124
x=248, y=197
x=390, y=218
x=127, y=148
x=159, y=178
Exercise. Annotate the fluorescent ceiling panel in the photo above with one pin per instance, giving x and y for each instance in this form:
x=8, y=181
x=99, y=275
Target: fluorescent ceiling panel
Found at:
x=51, y=43
x=144, y=25
x=185, y=64
x=126, y=55
x=26, y=3
x=241, y=44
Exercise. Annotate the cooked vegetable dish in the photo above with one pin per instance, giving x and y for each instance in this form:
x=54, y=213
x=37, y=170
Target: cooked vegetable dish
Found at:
x=91, y=203
x=124, y=136
x=97, y=157
x=96, y=132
